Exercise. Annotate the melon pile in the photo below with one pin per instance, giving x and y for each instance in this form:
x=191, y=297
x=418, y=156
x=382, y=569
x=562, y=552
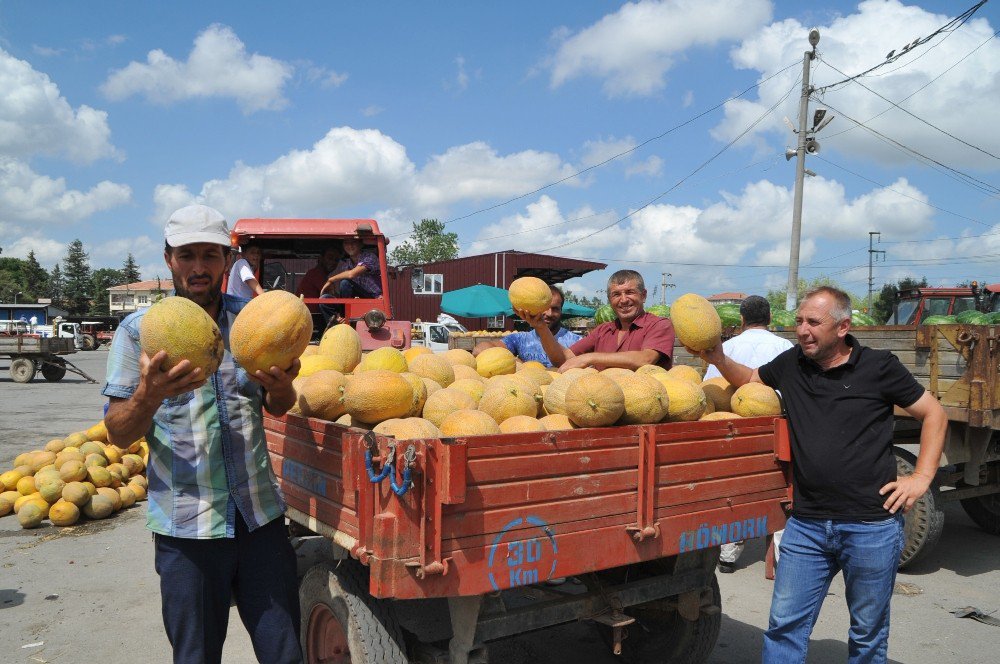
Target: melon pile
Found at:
x=422, y=394
x=81, y=475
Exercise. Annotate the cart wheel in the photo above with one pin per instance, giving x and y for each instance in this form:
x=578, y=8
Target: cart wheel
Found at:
x=923, y=524
x=22, y=369
x=54, y=370
x=89, y=342
x=342, y=623
x=661, y=636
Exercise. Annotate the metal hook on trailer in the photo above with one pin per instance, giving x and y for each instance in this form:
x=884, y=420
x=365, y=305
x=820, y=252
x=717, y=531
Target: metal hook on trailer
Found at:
x=371, y=449
x=409, y=458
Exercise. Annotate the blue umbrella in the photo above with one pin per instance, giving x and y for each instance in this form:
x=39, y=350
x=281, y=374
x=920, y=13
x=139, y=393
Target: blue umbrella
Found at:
x=479, y=301
x=576, y=310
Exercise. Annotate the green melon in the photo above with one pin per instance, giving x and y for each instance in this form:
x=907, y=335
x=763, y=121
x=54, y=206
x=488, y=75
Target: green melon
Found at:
x=860, y=319
x=938, y=320
x=994, y=318
x=729, y=314
x=604, y=314
x=782, y=318
x=972, y=317
x=661, y=310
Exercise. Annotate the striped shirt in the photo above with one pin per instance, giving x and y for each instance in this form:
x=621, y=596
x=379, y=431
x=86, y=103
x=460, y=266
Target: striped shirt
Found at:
x=207, y=454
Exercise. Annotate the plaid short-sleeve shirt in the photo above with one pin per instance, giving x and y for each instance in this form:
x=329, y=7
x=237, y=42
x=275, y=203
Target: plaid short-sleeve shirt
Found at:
x=207, y=454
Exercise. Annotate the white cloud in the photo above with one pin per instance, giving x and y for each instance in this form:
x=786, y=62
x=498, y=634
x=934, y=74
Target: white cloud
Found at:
x=35, y=119
x=652, y=167
x=327, y=78
x=960, y=101
x=600, y=150
x=47, y=251
x=632, y=49
x=217, y=66
x=371, y=110
x=29, y=198
x=687, y=99
x=47, y=51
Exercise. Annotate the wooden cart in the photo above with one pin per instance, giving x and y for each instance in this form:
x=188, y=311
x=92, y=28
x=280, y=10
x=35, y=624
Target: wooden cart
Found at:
x=30, y=353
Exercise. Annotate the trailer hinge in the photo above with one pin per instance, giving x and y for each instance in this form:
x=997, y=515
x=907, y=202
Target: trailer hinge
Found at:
x=646, y=525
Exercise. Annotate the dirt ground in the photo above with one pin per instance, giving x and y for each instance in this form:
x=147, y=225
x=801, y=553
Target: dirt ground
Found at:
x=89, y=592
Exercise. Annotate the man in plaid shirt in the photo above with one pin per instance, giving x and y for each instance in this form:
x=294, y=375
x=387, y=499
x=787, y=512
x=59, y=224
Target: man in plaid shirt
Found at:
x=214, y=506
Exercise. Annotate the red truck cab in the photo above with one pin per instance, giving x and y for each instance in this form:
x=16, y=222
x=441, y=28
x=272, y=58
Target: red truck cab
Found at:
x=292, y=247
x=916, y=304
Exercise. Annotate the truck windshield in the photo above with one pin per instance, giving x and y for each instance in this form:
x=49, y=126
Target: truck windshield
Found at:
x=439, y=334
x=963, y=304
x=904, y=313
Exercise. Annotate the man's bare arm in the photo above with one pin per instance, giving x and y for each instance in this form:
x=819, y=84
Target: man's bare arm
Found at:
x=558, y=354
x=279, y=394
x=905, y=491
x=627, y=359
x=735, y=373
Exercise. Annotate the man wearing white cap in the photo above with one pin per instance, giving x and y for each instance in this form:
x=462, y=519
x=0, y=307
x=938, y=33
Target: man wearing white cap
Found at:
x=214, y=505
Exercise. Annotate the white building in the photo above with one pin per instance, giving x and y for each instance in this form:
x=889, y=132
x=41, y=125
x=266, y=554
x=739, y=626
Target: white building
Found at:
x=127, y=298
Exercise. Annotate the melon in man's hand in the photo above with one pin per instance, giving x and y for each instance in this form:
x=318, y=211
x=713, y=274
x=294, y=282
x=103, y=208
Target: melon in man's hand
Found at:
x=183, y=329
x=272, y=330
x=530, y=294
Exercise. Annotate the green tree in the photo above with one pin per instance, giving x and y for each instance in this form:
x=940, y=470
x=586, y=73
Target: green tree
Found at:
x=77, y=285
x=12, y=282
x=883, y=304
x=776, y=298
x=36, y=278
x=101, y=280
x=56, y=285
x=428, y=243
x=130, y=271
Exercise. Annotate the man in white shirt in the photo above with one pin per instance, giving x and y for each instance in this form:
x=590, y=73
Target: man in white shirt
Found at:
x=753, y=347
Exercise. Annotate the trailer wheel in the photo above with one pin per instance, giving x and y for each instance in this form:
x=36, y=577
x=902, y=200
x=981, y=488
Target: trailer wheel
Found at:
x=342, y=623
x=924, y=523
x=54, y=370
x=89, y=342
x=985, y=511
x=661, y=636
x=22, y=369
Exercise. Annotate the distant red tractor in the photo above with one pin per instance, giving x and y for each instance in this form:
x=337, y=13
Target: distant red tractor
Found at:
x=914, y=305
x=291, y=247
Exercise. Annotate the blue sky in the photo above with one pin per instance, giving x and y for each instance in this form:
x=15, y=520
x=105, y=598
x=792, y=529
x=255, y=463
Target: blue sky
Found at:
x=116, y=113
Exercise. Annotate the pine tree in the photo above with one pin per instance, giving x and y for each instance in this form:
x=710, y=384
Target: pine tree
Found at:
x=35, y=277
x=101, y=280
x=130, y=271
x=77, y=285
x=56, y=286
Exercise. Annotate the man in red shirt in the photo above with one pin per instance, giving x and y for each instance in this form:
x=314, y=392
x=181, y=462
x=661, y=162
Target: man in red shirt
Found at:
x=314, y=280
x=633, y=339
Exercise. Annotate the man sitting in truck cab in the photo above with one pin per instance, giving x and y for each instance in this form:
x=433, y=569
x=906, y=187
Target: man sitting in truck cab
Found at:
x=357, y=274
x=527, y=346
x=314, y=280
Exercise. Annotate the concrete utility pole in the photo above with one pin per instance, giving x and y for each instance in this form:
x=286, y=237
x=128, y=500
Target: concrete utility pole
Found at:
x=872, y=254
x=664, y=286
x=792, y=294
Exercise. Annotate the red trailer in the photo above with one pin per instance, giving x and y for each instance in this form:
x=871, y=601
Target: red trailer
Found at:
x=435, y=537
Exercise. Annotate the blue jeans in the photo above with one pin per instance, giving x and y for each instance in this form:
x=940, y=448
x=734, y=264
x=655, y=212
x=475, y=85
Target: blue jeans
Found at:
x=812, y=552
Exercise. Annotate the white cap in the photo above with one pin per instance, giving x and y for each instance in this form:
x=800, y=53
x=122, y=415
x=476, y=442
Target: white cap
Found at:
x=196, y=223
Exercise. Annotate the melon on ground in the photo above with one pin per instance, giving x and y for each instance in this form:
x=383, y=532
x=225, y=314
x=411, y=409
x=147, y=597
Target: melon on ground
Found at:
x=30, y=515
x=530, y=294
x=99, y=507
x=8, y=480
x=685, y=372
x=128, y=497
x=443, y=402
x=112, y=495
x=755, y=400
x=646, y=400
x=696, y=322
x=342, y=343
x=495, y=361
x=459, y=356
x=719, y=415
x=435, y=367
x=686, y=401
x=80, y=437
x=55, y=445
x=385, y=358
x=594, y=401
x=182, y=329
x=376, y=395
x=72, y=471
x=467, y=422
x=504, y=402
x=26, y=485
x=272, y=329
x=521, y=424
x=321, y=395
x=719, y=392
x=138, y=489
x=6, y=505
x=419, y=388
x=64, y=513
x=76, y=493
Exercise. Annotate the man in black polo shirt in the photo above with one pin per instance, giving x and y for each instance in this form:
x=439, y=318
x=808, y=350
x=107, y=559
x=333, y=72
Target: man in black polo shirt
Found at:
x=848, y=502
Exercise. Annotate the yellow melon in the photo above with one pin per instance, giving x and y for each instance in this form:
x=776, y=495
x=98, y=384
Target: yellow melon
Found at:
x=321, y=395
x=696, y=322
x=719, y=392
x=72, y=471
x=685, y=372
x=376, y=395
x=756, y=400
x=555, y=395
x=99, y=476
x=434, y=367
x=40, y=459
x=495, y=361
x=138, y=489
x=540, y=376
x=413, y=351
x=30, y=515
x=97, y=432
x=315, y=363
x=112, y=495
x=342, y=343
x=182, y=329
x=408, y=428
x=646, y=400
x=650, y=368
x=138, y=479
x=419, y=393
x=686, y=401
x=128, y=496
x=532, y=364
x=521, y=424
x=719, y=415
x=594, y=401
x=6, y=505
x=79, y=438
x=530, y=294
x=506, y=401
x=456, y=356
x=385, y=358
x=311, y=349
x=468, y=422
x=55, y=445
x=76, y=493
x=26, y=485
x=31, y=497
x=611, y=372
x=272, y=329
x=473, y=387
x=431, y=386
x=99, y=507
x=51, y=490
x=443, y=402
x=64, y=513
x=8, y=480
x=463, y=371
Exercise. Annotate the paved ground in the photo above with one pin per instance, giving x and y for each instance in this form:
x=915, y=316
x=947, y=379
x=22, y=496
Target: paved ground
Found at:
x=89, y=593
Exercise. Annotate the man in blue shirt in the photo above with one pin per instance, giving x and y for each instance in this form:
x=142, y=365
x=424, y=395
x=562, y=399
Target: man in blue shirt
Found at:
x=526, y=346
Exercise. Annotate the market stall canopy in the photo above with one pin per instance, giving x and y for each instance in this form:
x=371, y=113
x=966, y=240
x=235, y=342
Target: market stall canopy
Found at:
x=479, y=301
x=571, y=309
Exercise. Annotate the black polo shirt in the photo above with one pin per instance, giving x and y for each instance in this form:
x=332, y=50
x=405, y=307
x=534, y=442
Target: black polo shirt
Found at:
x=840, y=422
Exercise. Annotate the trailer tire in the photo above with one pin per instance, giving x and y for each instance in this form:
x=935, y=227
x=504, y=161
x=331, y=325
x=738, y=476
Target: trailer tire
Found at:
x=90, y=342
x=662, y=636
x=985, y=511
x=22, y=369
x=342, y=622
x=923, y=524
x=54, y=370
